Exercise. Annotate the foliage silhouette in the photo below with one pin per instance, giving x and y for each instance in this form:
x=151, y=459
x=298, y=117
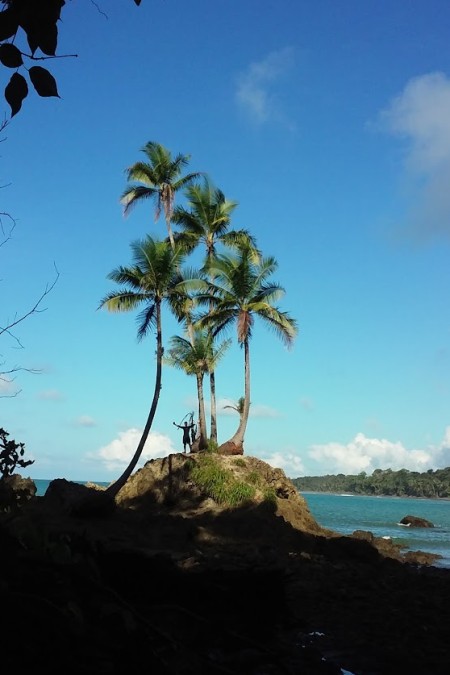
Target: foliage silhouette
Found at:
x=37, y=20
x=11, y=454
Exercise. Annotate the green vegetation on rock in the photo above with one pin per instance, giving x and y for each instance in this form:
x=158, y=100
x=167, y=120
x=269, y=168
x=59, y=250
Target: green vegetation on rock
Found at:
x=220, y=483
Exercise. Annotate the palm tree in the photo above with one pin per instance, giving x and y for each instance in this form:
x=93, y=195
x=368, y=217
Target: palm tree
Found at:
x=237, y=407
x=242, y=291
x=159, y=179
x=152, y=280
x=207, y=222
x=197, y=357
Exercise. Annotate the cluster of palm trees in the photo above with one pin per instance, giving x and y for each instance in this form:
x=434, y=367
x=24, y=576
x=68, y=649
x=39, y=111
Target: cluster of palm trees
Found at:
x=232, y=287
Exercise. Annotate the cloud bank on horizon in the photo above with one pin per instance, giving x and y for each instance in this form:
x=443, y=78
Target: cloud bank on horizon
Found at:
x=360, y=454
x=115, y=455
x=420, y=115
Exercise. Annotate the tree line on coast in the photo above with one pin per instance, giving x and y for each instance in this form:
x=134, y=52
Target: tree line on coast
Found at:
x=432, y=484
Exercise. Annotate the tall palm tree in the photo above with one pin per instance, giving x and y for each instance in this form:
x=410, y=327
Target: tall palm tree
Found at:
x=241, y=292
x=196, y=357
x=159, y=179
x=152, y=280
x=206, y=222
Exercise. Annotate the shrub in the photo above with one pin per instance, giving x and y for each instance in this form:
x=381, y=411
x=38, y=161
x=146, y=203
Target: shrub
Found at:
x=212, y=446
x=11, y=454
x=240, y=462
x=219, y=483
x=254, y=478
x=269, y=495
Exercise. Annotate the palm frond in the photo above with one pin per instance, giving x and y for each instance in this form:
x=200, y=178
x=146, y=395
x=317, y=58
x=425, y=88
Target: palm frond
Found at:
x=146, y=319
x=122, y=301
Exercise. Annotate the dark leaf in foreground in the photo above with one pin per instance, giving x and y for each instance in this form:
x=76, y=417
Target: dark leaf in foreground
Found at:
x=15, y=91
x=9, y=23
x=10, y=56
x=43, y=81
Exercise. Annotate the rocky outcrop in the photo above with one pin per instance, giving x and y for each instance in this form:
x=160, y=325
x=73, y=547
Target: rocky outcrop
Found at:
x=16, y=490
x=75, y=499
x=415, y=521
x=182, y=582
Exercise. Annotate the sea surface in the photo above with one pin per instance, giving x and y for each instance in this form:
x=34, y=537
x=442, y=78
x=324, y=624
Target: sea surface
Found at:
x=380, y=515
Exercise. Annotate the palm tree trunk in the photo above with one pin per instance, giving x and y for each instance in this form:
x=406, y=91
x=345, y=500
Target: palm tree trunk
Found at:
x=235, y=446
x=212, y=383
x=169, y=230
x=201, y=413
x=114, y=489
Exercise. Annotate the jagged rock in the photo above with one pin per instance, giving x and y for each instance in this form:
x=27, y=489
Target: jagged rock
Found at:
x=16, y=490
x=415, y=521
x=75, y=499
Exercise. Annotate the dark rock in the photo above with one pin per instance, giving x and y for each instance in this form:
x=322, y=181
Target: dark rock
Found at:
x=75, y=499
x=415, y=521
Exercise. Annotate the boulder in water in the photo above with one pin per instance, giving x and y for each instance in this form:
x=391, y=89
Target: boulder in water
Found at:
x=415, y=521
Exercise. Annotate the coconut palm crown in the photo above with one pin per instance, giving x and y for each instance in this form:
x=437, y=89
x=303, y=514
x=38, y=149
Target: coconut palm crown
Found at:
x=197, y=357
x=207, y=220
x=206, y=223
x=241, y=292
x=158, y=178
x=151, y=281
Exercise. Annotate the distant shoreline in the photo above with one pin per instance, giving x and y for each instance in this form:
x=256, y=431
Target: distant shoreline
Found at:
x=358, y=494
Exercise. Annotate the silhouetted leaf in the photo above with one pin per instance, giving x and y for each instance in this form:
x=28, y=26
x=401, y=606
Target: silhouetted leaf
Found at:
x=10, y=56
x=15, y=91
x=38, y=20
x=138, y=2
x=48, y=39
x=9, y=23
x=43, y=81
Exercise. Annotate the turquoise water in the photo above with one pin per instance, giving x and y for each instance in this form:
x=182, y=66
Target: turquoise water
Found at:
x=380, y=515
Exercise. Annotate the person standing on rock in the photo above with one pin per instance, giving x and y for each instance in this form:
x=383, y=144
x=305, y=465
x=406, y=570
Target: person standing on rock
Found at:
x=186, y=437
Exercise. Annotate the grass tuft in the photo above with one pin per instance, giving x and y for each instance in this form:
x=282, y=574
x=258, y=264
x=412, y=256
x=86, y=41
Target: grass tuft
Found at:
x=219, y=483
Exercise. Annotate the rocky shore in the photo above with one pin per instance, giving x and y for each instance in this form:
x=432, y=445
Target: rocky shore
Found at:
x=174, y=581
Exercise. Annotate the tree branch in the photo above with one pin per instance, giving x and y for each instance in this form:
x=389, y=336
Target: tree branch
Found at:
x=35, y=309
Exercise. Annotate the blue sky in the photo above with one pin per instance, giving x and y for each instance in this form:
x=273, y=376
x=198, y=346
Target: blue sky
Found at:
x=329, y=123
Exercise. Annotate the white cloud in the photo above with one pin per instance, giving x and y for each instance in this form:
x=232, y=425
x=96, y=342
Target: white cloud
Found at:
x=51, y=395
x=117, y=454
x=368, y=454
x=7, y=387
x=85, y=421
x=421, y=116
x=254, y=92
x=290, y=462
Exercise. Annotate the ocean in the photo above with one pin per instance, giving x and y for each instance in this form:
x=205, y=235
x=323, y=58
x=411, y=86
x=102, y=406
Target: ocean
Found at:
x=380, y=515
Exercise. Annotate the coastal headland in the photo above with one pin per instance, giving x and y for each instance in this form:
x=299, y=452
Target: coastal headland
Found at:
x=209, y=564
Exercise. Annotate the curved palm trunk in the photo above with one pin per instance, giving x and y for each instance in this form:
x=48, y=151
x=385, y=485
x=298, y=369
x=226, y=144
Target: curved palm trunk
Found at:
x=113, y=489
x=201, y=413
x=235, y=446
x=212, y=384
